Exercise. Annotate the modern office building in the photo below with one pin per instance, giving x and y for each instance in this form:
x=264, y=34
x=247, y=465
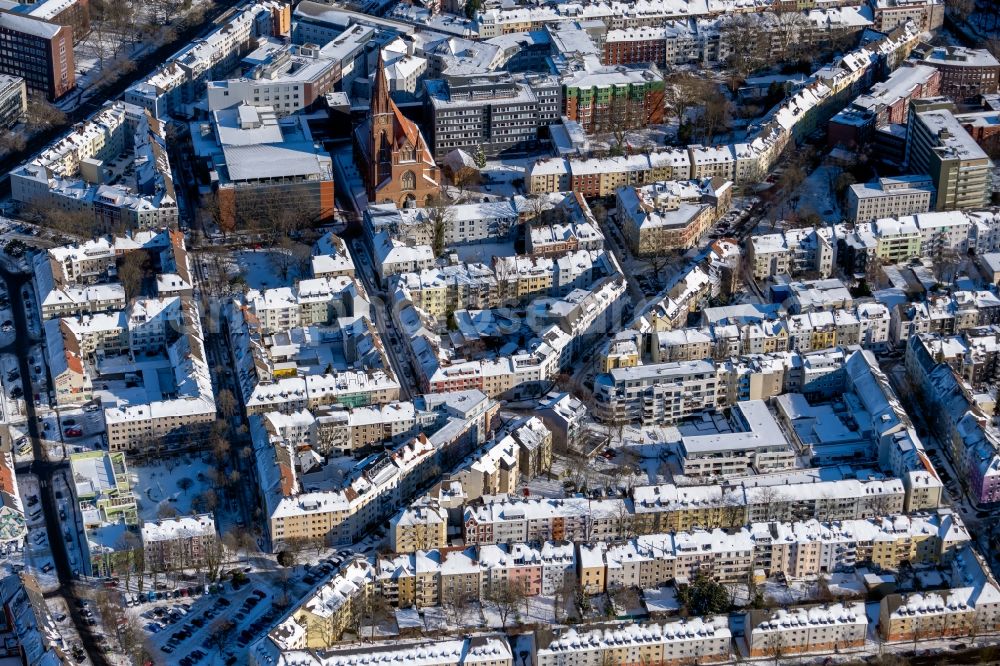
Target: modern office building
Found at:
x=494, y=110
x=39, y=51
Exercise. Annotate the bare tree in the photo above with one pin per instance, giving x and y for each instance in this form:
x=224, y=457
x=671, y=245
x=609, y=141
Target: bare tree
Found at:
x=370, y=609
x=132, y=270
x=747, y=51
x=455, y=600
x=767, y=499
x=212, y=554
x=505, y=596
x=220, y=633
x=655, y=248
x=734, y=512
x=42, y=115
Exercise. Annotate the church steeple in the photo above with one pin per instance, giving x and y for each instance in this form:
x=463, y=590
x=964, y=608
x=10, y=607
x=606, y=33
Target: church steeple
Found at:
x=392, y=153
x=383, y=126
x=381, y=102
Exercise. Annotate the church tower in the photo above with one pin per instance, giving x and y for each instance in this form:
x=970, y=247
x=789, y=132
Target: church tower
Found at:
x=391, y=152
x=383, y=128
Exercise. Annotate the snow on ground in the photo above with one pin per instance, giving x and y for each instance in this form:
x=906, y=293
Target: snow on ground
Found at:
x=157, y=485
x=817, y=193
x=67, y=630
x=279, y=587
x=266, y=269
x=349, y=183
x=37, y=554
x=535, y=610
x=483, y=252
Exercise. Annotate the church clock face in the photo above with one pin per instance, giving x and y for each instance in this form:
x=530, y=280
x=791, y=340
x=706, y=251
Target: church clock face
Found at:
x=383, y=120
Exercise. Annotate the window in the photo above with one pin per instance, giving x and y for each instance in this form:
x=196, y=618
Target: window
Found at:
x=408, y=181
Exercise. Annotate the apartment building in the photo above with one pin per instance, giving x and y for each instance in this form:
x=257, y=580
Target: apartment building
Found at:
x=473, y=650
x=792, y=252
x=182, y=542
x=888, y=101
x=968, y=605
x=179, y=83
x=670, y=215
x=965, y=73
x=702, y=640
x=890, y=197
x=926, y=15
x=463, y=223
x=284, y=77
x=85, y=171
x=107, y=507
x=29, y=635
x=13, y=525
x=319, y=621
x=939, y=146
x=39, y=52
x=495, y=111
x=613, y=98
x=806, y=630
x=750, y=440
x=13, y=100
x=421, y=526
x=659, y=393
x=635, y=46
x=548, y=240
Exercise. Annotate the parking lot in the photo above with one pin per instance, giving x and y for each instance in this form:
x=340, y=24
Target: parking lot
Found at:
x=188, y=630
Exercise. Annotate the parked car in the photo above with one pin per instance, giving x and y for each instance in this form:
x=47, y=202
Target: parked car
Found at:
x=73, y=432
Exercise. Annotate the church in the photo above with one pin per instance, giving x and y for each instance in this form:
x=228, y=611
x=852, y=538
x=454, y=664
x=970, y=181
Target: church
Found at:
x=391, y=152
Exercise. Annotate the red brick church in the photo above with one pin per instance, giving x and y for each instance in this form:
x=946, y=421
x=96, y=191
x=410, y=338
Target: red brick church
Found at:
x=392, y=154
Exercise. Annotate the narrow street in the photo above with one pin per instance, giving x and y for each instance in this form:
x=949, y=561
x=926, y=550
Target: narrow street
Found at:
x=383, y=322
x=44, y=470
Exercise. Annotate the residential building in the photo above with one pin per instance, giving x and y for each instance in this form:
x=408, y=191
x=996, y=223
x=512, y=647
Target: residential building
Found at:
x=606, y=99
x=421, y=526
x=806, y=630
x=85, y=171
x=670, y=215
x=965, y=73
x=108, y=510
x=791, y=253
x=182, y=542
x=890, y=197
x=939, y=146
x=750, y=440
x=286, y=78
x=30, y=634
x=13, y=524
x=968, y=605
x=926, y=15
x=472, y=650
x=659, y=393
x=704, y=640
